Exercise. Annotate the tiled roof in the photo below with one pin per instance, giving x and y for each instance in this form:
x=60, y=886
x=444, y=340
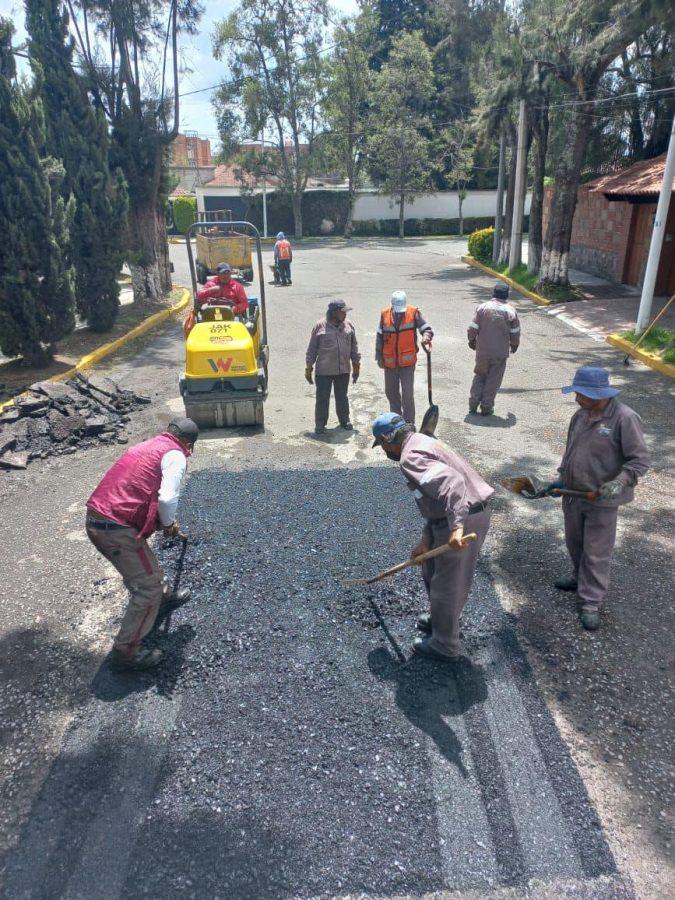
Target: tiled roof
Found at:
x=181, y=192
x=642, y=179
x=226, y=176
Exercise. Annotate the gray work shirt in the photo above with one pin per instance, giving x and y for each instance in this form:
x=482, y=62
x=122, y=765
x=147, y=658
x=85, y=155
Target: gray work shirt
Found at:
x=605, y=448
x=421, y=325
x=333, y=347
x=443, y=484
x=495, y=329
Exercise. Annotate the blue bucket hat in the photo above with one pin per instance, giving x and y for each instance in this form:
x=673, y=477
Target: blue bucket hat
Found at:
x=592, y=382
x=386, y=424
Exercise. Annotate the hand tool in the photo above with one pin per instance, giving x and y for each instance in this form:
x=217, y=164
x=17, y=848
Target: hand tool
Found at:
x=430, y=420
x=532, y=489
x=646, y=331
x=429, y=554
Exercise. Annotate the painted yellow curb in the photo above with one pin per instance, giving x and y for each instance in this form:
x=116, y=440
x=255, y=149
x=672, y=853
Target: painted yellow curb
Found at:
x=106, y=349
x=649, y=359
x=535, y=298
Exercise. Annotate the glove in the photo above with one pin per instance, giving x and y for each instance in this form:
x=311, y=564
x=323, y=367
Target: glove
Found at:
x=356, y=371
x=513, y=349
x=551, y=486
x=308, y=374
x=610, y=490
x=472, y=345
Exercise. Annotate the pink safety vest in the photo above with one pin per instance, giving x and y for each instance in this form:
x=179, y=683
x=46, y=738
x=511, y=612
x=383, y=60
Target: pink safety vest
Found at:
x=129, y=491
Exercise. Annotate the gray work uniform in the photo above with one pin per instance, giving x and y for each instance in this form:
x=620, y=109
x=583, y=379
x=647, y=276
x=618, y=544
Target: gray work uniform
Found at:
x=448, y=493
x=399, y=382
x=495, y=330
x=332, y=351
x=139, y=568
x=608, y=447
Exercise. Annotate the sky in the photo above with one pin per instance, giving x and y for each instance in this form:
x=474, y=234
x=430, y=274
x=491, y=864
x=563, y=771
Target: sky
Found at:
x=202, y=70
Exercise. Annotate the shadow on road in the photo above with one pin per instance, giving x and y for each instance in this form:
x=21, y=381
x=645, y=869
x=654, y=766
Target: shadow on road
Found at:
x=491, y=421
x=426, y=692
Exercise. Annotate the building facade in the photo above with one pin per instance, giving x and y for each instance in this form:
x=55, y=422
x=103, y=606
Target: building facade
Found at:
x=613, y=225
x=190, y=150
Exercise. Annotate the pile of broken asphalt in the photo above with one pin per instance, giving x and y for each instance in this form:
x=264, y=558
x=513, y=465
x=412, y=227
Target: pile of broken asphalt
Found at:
x=57, y=418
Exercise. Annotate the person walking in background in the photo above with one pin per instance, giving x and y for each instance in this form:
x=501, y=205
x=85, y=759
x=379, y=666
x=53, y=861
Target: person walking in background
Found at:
x=396, y=352
x=283, y=257
x=605, y=454
x=334, y=351
x=493, y=334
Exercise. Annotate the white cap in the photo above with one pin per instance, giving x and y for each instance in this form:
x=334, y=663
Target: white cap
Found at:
x=399, y=301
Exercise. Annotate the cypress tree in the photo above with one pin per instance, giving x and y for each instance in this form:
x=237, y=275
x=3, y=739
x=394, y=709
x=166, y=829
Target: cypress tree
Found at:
x=36, y=285
x=78, y=136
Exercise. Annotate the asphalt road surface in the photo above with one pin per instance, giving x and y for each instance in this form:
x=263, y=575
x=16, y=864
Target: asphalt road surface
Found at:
x=291, y=747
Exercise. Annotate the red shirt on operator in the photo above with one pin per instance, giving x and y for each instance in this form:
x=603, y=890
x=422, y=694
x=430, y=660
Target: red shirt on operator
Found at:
x=224, y=288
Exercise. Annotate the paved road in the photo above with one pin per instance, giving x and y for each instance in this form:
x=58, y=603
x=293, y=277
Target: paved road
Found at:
x=291, y=746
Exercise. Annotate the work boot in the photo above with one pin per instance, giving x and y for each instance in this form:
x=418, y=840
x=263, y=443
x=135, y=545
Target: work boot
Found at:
x=566, y=584
x=590, y=617
x=422, y=647
x=347, y=426
x=320, y=429
x=473, y=409
x=176, y=599
x=142, y=659
x=487, y=410
x=424, y=623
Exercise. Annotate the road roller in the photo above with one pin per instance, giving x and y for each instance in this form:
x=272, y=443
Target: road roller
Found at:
x=225, y=382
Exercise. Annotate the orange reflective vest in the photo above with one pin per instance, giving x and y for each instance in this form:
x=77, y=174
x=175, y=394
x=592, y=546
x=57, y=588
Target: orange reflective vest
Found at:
x=283, y=250
x=400, y=344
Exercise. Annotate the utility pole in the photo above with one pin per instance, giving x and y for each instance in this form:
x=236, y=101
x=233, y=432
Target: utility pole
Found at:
x=656, y=243
x=264, y=189
x=499, y=215
x=519, y=194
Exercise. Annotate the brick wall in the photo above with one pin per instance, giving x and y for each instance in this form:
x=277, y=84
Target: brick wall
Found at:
x=600, y=233
x=188, y=151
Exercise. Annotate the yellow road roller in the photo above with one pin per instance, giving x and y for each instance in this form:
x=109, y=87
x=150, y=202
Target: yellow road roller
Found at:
x=225, y=382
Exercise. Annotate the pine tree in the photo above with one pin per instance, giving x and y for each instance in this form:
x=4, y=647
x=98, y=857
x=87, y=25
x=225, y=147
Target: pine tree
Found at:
x=36, y=291
x=78, y=136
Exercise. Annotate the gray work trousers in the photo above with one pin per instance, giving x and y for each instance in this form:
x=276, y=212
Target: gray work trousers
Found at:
x=590, y=532
x=399, y=386
x=324, y=385
x=448, y=581
x=138, y=566
x=487, y=379
x=284, y=267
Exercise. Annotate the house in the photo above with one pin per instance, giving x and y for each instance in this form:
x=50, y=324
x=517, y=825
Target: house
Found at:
x=613, y=225
x=190, y=150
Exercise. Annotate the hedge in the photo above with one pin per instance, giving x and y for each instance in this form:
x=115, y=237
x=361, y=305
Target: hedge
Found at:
x=184, y=213
x=416, y=227
x=480, y=244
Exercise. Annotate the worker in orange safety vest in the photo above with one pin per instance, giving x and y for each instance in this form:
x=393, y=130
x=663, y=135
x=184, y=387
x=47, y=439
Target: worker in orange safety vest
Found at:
x=396, y=352
x=283, y=257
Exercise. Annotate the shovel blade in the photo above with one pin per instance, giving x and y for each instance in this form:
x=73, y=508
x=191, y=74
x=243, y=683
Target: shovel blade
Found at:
x=430, y=421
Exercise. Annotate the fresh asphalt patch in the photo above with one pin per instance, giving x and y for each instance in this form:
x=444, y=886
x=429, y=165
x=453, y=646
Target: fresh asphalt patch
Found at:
x=287, y=749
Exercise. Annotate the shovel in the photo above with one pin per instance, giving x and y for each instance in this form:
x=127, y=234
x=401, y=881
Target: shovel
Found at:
x=429, y=554
x=430, y=420
x=532, y=489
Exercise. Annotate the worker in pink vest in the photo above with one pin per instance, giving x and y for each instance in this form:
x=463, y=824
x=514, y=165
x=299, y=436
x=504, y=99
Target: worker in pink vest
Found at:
x=136, y=497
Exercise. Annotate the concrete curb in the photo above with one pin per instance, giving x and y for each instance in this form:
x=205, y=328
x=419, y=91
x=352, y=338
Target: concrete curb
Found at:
x=535, y=298
x=649, y=359
x=104, y=350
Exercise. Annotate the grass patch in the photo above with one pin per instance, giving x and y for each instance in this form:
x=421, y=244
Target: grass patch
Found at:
x=655, y=342
x=529, y=281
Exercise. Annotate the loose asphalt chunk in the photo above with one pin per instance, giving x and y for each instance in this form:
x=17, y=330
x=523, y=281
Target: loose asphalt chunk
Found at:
x=285, y=750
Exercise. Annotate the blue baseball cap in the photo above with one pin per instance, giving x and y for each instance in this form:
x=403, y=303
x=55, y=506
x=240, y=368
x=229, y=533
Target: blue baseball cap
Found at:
x=592, y=382
x=223, y=268
x=386, y=424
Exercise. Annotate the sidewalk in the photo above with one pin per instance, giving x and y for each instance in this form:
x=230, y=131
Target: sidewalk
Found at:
x=608, y=308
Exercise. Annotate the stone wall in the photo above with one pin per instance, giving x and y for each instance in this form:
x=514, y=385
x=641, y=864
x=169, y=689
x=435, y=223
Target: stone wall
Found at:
x=600, y=233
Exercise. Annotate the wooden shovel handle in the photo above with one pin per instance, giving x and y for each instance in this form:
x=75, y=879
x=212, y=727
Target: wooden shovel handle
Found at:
x=417, y=560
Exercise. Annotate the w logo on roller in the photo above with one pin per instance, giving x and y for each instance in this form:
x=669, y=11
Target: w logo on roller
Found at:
x=220, y=364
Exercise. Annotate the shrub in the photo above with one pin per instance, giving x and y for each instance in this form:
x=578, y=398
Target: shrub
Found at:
x=480, y=244
x=184, y=213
